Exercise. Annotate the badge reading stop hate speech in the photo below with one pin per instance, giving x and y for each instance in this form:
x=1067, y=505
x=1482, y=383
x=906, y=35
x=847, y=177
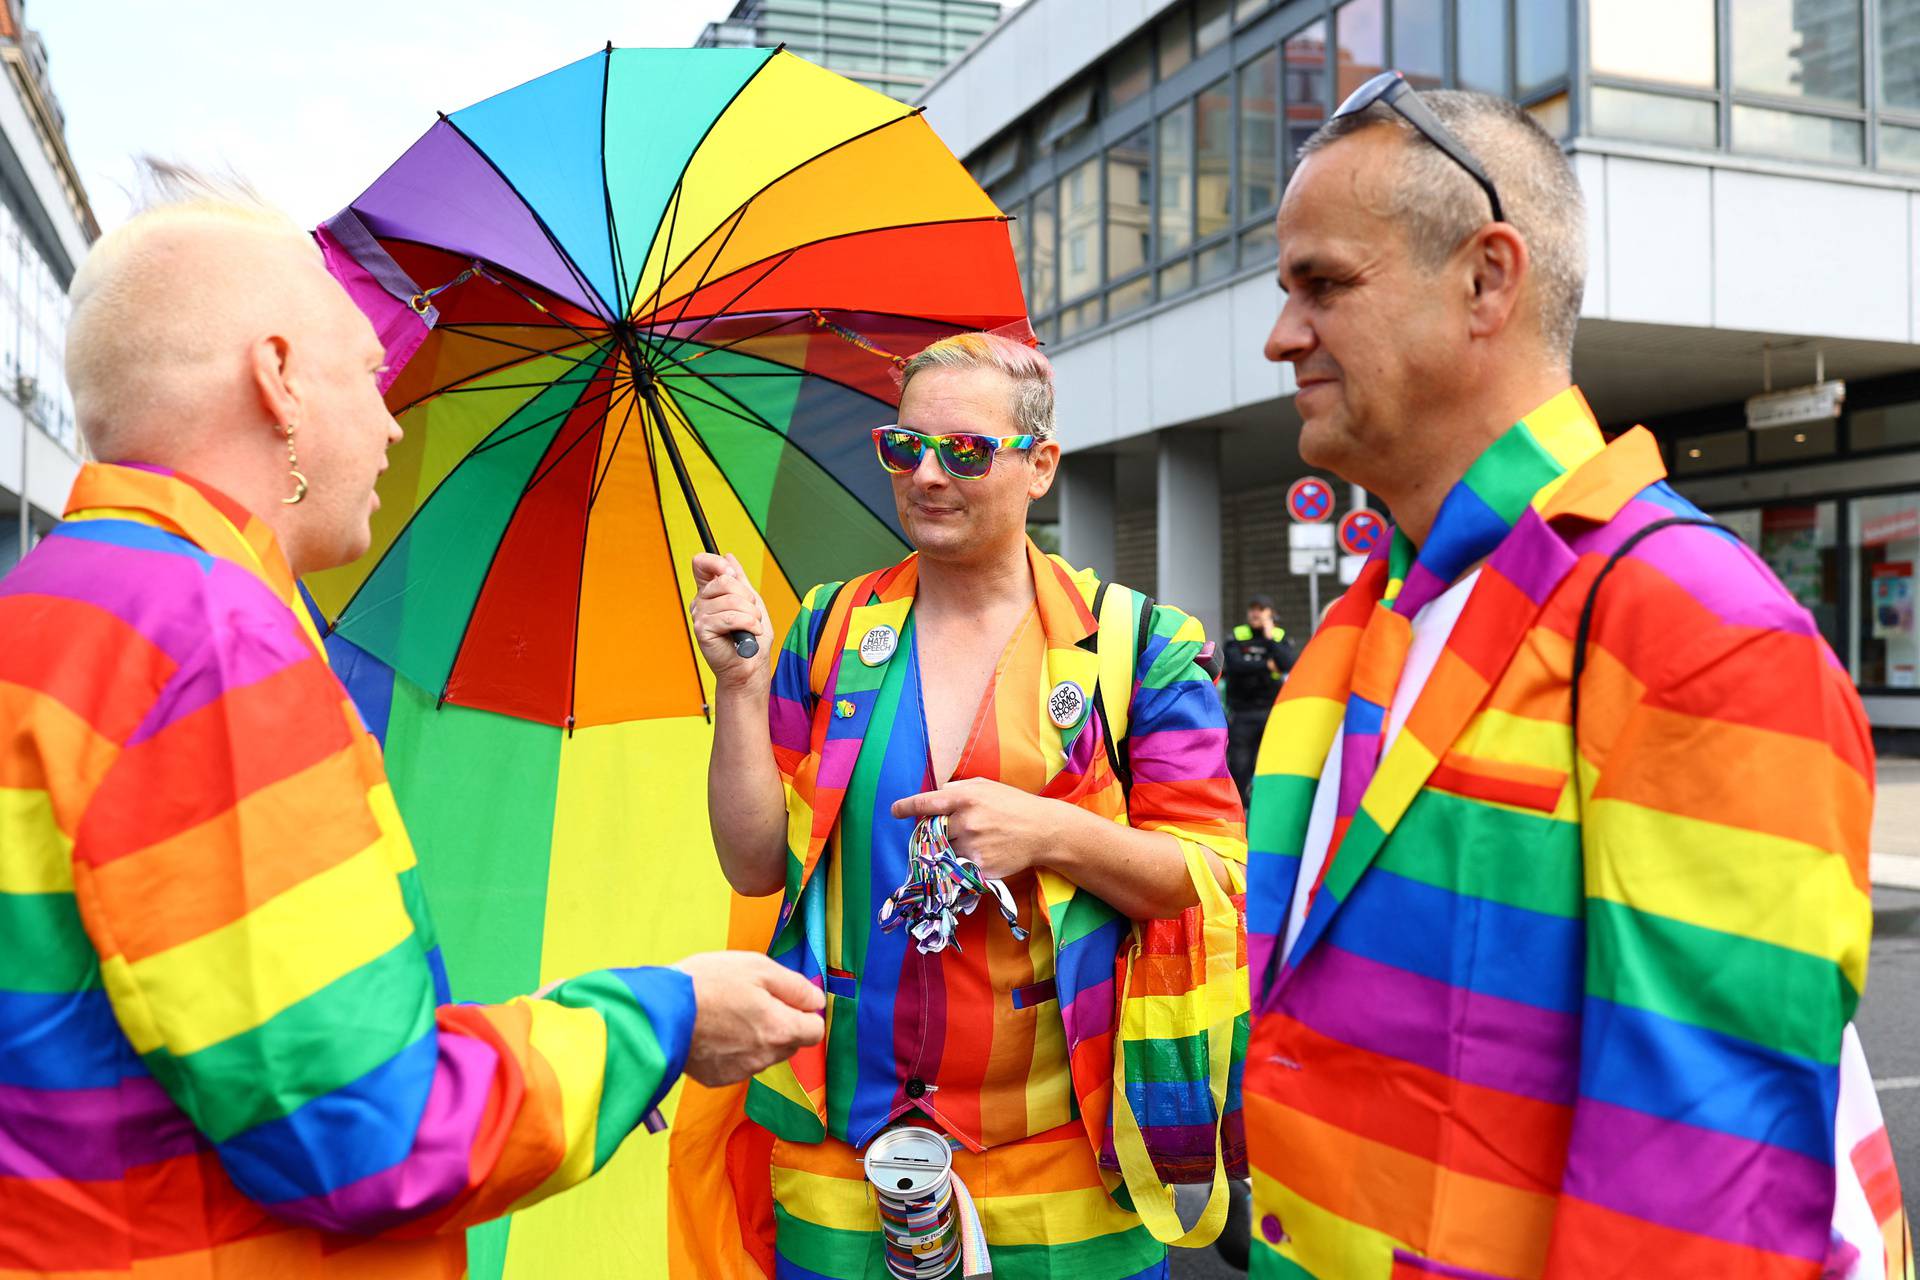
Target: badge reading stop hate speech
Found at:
x=878, y=645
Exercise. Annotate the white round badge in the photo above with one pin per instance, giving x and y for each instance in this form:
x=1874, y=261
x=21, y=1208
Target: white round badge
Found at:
x=878, y=645
x=1066, y=704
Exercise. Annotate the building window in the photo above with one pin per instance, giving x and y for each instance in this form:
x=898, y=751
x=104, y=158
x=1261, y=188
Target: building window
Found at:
x=1214, y=118
x=1670, y=41
x=1174, y=40
x=1173, y=143
x=1259, y=135
x=1541, y=36
x=1043, y=293
x=1761, y=131
x=1129, y=204
x=1793, y=49
x=1247, y=10
x=1900, y=54
x=1129, y=297
x=1900, y=148
x=1886, y=545
x=1654, y=117
x=1359, y=27
x=1080, y=230
x=1305, y=57
x=1480, y=45
x=1130, y=73
x=1419, y=45
x=1553, y=114
x=1801, y=544
x=1212, y=23
x=1258, y=244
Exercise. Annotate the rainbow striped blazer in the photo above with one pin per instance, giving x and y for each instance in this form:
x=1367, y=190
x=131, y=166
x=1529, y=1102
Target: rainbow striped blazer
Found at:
x=225, y=1043
x=1575, y=1017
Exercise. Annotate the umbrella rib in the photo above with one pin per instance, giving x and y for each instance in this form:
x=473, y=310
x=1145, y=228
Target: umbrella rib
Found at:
x=686, y=165
x=422, y=505
x=587, y=398
x=561, y=457
x=739, y=213
x=579, y=277
x=600, y=345
x=544, y=310
x=492, y=267
x=713, y=348
x=600, y=478
x=762, y=279
x=606, y=195
x=745, y=410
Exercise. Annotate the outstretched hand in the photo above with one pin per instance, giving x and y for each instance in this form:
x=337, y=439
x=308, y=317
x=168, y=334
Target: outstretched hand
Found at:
x=749, y=1014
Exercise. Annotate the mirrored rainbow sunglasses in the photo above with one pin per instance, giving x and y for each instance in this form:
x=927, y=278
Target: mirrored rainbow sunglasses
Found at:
x=964, y=456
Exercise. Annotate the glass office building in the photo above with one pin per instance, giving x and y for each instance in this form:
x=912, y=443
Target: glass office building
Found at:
x=895, y=46
x=45, y=228
x=1752, y=171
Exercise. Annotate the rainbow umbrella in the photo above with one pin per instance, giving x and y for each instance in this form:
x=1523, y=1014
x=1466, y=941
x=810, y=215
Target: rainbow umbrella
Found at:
x=658, y=296
x=648, y=302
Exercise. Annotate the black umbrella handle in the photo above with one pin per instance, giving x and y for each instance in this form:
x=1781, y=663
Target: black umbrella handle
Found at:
x=745, y=643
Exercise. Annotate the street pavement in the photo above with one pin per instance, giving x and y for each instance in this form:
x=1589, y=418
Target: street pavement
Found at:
x=1889, y=1017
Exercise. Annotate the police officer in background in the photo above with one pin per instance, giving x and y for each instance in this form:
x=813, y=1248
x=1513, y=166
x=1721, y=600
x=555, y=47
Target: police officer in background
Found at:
x=1254, y=663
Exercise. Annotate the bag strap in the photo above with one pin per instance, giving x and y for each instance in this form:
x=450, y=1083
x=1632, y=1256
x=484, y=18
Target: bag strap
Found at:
x=1593, y=593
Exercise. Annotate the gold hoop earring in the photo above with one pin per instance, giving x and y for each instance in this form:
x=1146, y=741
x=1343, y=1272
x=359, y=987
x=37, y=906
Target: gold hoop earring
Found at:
x=293, y=469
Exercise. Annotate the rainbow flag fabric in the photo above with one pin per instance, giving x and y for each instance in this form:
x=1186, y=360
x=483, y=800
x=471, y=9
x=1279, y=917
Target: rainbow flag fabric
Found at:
x=1559, y=1010
x=226, y=1048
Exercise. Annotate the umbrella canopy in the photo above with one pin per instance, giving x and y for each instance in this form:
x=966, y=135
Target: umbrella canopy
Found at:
x=651, y=294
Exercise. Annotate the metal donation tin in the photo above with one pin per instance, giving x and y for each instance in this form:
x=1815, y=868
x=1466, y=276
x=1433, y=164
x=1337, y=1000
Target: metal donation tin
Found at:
x=911, y=1169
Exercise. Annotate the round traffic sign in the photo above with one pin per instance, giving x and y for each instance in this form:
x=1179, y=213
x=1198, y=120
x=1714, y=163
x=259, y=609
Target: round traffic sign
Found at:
x=1310, y=500
x=1360, y=530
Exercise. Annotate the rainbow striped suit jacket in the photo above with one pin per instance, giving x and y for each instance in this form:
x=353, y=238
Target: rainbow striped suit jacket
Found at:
x=1554, y=1021
x=1181, y=787
x=226, y=1047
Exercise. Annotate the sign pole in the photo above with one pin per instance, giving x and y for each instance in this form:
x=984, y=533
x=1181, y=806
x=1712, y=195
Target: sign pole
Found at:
x=1313, y=602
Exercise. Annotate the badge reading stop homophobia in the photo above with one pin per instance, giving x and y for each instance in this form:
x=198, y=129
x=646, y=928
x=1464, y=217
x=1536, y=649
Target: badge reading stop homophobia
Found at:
x=878, y=645
x=1066, y=704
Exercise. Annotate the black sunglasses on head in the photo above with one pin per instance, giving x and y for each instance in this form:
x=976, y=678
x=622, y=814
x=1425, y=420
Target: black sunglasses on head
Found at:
x=1391, y=88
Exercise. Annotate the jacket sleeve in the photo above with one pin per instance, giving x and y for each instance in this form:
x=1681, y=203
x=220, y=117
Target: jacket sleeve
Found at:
x=1728, y=769
x=790, y=709
x=251, y=893
x=1177, y=745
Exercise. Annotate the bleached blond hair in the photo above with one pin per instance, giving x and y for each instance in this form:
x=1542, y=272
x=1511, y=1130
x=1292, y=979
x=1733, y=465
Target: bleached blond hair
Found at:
x=137, y=333
x=1030, y=372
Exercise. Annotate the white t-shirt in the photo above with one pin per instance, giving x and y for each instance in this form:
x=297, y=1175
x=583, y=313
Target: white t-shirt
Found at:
x=1431, y=627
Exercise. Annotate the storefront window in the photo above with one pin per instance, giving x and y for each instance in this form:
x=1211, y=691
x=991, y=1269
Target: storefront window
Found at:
x=1886, y=539
x=1800, y=543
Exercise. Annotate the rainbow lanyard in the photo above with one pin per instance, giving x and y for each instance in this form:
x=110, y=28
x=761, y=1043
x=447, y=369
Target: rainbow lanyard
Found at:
x=1517, y=472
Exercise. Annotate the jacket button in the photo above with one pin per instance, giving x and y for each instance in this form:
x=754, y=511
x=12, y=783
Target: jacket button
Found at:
x=916, y=1087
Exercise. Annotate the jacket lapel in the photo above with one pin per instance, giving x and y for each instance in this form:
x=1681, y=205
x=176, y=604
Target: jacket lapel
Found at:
x=1514, y=586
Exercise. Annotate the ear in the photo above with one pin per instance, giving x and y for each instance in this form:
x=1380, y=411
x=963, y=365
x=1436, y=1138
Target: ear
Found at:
x=1044, y=458
x=1499, y=264
x=278, y=392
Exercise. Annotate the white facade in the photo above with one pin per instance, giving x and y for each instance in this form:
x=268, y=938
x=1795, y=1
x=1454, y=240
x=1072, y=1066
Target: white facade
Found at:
x=1700, y=261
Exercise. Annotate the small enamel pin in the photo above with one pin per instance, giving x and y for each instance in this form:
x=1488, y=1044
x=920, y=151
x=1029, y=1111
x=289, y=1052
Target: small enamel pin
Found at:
x=843, y=709
x=1066, y=704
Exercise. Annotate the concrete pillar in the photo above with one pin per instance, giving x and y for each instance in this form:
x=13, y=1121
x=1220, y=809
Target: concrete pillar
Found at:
x=1086, y=489
x=1187, y=544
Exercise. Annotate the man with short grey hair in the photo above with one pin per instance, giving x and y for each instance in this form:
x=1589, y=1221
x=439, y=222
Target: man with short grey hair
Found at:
x=1557, y=902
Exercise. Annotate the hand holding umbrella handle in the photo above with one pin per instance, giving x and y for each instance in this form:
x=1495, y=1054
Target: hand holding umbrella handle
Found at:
x=745, y=644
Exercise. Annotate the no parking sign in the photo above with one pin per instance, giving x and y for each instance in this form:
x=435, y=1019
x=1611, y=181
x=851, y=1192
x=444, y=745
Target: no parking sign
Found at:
x=1310, y=500
x=1360, y=530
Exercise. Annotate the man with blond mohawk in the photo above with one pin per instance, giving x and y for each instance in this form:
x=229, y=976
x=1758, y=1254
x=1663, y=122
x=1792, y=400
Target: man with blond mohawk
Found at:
x=226, y=1045
x=986, y=703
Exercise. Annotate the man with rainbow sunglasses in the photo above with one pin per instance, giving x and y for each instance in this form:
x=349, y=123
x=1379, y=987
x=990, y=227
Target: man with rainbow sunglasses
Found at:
x=973, y=684
x=1558, y=909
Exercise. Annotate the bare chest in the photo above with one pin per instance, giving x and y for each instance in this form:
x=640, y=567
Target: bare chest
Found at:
x=958, y=658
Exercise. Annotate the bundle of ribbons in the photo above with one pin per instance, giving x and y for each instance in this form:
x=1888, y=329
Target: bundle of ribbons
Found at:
x=942, y=885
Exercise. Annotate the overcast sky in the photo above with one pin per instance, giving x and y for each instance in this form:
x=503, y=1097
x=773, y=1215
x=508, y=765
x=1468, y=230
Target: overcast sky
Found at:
x=307, y=102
